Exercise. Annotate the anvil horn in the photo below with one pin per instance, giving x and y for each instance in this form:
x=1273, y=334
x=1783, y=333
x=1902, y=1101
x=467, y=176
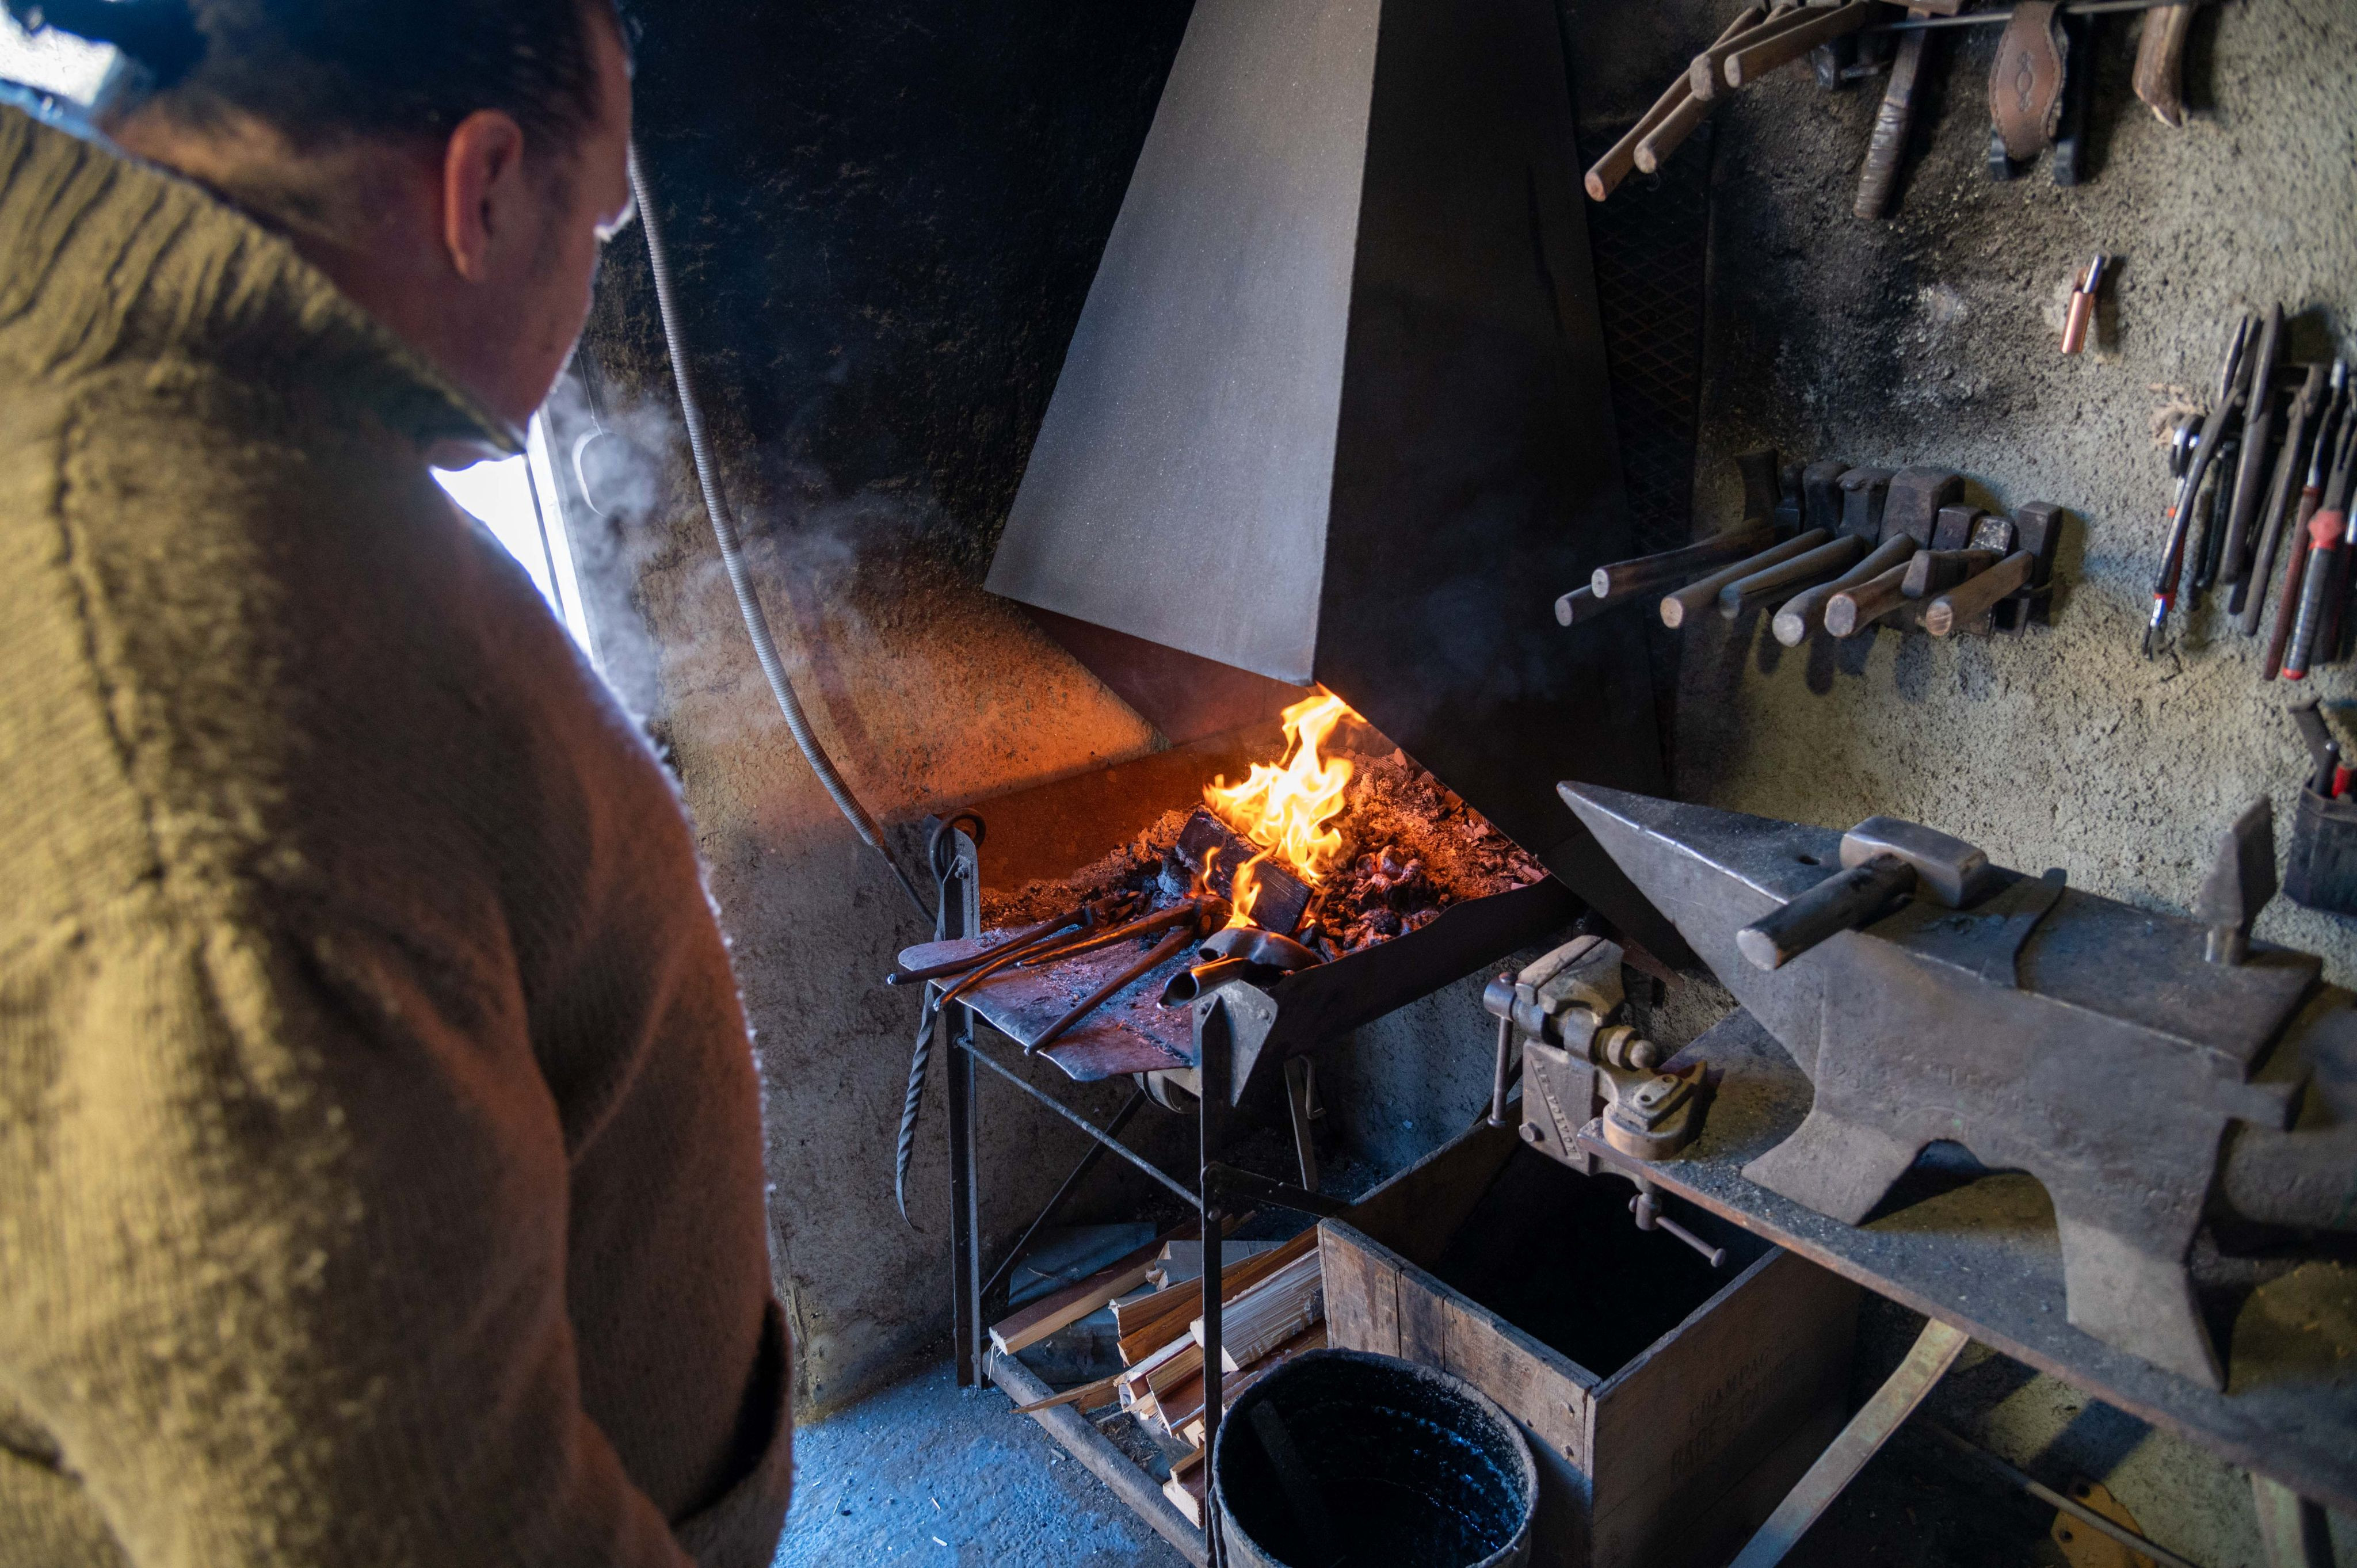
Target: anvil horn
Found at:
x=1714, y=872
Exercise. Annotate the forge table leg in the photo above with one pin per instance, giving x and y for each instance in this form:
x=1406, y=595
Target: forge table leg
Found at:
x=1935, y=1350
x=965, y=1252
x=1300, y=1091
x=1216, y=1044
x=2294, y=1530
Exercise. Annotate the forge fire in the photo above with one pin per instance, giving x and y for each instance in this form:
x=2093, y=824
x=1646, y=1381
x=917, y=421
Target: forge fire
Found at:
x=1369, y=846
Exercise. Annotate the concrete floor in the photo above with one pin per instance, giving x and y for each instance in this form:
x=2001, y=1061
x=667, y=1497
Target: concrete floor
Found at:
x=926, y=1473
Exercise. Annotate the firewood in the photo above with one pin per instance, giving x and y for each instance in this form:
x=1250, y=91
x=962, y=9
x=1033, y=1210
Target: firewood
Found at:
x=1281, y=896
x=1186, y=1488
x=1182, y=1407
x=1076, y=1301
x=1087, y=1396
x=1183, y=1261
x=1136, y=1384
x=1151, y=1322
x=1284, y=1305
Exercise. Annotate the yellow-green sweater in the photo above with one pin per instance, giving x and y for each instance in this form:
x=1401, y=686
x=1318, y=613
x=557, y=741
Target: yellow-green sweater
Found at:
x=380, y=1159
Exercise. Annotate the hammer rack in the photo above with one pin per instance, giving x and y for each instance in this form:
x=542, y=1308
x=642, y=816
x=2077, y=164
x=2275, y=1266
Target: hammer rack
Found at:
x=1839, y=550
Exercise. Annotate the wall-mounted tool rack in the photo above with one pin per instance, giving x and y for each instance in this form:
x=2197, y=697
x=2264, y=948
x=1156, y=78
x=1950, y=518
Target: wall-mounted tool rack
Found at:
x=1839, y=550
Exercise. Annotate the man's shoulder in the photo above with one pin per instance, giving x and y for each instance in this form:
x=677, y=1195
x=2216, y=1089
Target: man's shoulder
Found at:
x=197, y=590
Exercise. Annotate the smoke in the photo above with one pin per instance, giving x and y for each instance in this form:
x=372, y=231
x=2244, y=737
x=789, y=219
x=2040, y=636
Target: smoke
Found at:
x=837, y=575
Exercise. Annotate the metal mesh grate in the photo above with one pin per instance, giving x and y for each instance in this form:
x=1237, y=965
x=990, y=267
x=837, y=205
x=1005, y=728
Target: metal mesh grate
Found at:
x=1649, y=241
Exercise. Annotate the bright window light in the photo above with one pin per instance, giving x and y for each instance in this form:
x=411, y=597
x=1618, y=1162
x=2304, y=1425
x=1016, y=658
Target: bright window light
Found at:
x=53, y=62
x=516, y=500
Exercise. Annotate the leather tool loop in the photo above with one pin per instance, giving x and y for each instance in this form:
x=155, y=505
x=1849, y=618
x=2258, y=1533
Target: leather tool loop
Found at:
x=2026, y=83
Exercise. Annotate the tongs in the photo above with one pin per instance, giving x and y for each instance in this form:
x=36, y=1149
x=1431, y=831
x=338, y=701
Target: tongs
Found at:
x=1238, y=952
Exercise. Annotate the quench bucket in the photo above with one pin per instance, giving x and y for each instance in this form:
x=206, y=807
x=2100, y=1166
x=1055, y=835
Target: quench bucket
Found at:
x=1342, y=1459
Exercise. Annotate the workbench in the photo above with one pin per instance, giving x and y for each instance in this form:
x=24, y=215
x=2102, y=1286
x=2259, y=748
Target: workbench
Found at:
x=1980, y=1254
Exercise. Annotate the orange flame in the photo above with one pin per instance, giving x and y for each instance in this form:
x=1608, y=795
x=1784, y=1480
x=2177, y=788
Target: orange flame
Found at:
x=1245, y=890
x=1286, y=808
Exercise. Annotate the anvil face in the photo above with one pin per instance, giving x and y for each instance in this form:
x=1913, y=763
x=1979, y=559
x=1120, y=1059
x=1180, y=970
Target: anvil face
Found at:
x=2072, y=1037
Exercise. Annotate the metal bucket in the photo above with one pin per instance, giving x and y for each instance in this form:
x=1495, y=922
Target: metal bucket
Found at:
x=1342, y=1459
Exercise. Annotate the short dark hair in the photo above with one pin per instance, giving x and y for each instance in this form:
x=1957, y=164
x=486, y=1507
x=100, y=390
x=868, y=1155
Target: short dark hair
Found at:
x=324, y=71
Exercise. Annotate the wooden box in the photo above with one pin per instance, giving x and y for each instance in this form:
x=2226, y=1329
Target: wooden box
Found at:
x=1669, y=1406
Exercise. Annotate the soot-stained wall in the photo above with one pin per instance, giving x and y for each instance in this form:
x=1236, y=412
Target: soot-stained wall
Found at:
x=884, y=217
x=1933, y=337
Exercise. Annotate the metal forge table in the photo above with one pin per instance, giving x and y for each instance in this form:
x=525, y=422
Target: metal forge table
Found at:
x=1201, y=1057
x=1984, y=1258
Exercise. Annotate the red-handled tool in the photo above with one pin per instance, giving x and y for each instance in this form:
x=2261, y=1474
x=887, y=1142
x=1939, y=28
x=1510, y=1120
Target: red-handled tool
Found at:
x=2325, y=543
x=2311, y=496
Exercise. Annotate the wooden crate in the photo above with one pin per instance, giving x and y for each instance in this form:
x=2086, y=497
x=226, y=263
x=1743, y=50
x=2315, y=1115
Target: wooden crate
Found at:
x=1680, y=1442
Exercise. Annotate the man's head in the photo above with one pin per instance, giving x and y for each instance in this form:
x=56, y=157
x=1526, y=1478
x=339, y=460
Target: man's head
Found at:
x=453, y=165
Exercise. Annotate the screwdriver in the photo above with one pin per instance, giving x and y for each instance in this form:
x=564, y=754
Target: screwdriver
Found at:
x=2324, y=545
x=2180, y=512
x=2311, y=495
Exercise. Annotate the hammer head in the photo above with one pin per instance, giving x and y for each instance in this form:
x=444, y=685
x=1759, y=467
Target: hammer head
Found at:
x=1948, y=871
x=1916, y=496
x=1864, y=492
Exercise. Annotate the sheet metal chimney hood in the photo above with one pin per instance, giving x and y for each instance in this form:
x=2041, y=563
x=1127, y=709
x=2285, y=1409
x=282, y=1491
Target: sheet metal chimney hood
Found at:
x=1336, y=409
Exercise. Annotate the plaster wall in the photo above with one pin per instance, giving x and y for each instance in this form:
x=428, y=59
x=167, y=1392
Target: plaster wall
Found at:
x=1933, y=337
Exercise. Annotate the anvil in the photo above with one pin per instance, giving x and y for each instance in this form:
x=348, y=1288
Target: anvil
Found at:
x=2044, y=1029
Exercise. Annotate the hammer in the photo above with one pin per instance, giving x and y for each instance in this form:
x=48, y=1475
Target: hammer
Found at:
x=1883, y=860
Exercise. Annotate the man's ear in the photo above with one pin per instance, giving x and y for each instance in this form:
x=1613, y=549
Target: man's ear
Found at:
x=483, y=198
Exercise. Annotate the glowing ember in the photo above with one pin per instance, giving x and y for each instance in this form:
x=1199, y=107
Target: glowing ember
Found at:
x=1286, y=808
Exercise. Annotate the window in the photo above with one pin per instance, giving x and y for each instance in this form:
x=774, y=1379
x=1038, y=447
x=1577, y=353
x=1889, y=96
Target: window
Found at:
x=516, y=500
x=54, y=63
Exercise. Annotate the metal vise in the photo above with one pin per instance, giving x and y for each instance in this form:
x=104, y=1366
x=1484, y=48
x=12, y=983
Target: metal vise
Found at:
x=1554, y=1021
x=2144, y=1066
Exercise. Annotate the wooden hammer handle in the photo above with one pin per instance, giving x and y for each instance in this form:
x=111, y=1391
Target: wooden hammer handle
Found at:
x=1610, y=170
x=1936, y=571
x=1689, y=600
x=1804, y=612
x=1975, y=596
x=1841, y=901
x=2160, y=77
x=1621, y=579
x=1707, y=77
x=1755, y=60
x=1854, y=610
x=1891, y=124
x=1781, y=581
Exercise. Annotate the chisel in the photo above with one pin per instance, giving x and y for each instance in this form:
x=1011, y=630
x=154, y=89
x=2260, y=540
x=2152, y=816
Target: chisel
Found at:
x=2258, y=425
x=2325, y=548
x=2306, y=405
